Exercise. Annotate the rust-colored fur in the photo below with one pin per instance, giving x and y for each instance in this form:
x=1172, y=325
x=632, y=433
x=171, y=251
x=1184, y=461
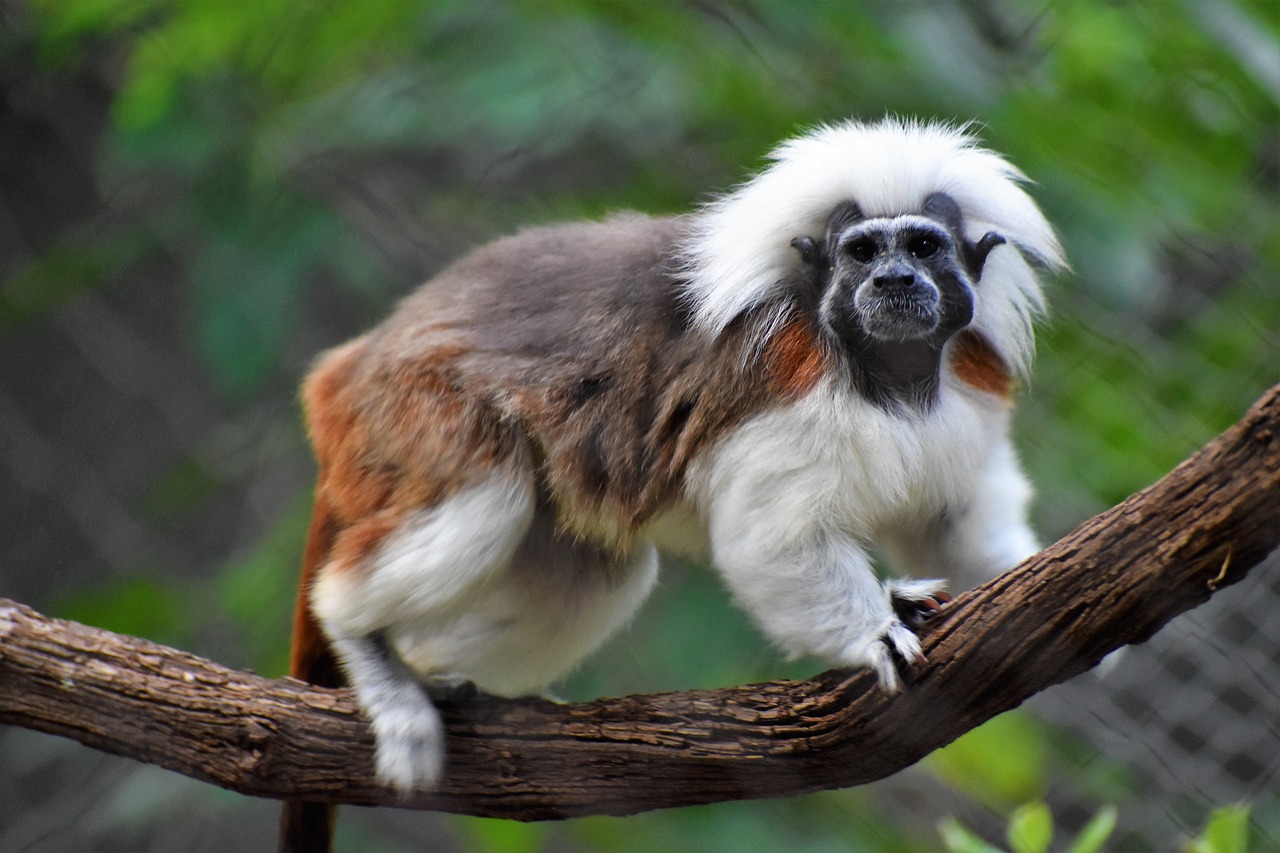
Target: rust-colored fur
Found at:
x=976, y=363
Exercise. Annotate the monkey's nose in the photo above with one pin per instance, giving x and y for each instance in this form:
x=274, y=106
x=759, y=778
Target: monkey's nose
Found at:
x=900, y=278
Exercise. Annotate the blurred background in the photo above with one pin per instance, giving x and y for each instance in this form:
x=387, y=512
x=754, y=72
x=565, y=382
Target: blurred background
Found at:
x=197, y=196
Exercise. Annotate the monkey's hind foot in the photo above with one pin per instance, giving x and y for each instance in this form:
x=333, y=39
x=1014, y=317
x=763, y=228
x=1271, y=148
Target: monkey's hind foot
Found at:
x=410, y=737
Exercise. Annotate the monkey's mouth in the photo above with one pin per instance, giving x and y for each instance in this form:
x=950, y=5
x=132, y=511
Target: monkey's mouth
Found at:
x=898, y=315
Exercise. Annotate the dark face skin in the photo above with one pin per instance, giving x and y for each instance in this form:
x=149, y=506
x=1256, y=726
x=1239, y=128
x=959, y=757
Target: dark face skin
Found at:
x=892, y=291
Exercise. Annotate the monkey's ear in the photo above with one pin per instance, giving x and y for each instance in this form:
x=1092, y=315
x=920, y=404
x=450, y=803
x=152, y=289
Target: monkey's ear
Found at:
x=844, y=215
x=943, y=209
x=810, y=252
x=975, y=254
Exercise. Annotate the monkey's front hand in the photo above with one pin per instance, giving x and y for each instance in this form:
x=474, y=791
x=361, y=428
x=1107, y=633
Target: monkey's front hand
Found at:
x=912, y=602
x=914, y=607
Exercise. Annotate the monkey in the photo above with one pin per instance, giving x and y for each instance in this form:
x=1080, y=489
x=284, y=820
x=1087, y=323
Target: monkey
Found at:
x=811, y=370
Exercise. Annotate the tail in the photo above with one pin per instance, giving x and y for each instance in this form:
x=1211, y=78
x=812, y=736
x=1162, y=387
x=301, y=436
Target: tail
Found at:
x=308, y=827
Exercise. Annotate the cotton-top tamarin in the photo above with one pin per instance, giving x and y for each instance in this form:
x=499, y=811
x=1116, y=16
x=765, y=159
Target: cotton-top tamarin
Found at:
x=815, y=364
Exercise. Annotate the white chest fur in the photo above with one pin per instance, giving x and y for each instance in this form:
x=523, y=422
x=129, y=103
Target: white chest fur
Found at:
x=835, y=460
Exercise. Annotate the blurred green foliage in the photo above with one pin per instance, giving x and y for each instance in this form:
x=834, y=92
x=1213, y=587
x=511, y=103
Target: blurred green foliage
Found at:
x=1227, y=831
x=1030, y=830
x=246, y=143
x=1017, y=776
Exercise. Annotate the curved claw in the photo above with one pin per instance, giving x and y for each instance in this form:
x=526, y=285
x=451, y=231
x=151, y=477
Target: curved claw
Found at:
x=916, y=601
x=897, y=646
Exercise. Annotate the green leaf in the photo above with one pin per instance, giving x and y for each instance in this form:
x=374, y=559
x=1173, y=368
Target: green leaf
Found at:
x=960, y=839
x=1095, y=832
x=1226, y=832
x=1030, y=828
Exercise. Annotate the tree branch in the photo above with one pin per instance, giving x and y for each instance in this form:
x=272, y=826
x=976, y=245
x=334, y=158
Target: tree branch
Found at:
x=1115, y=580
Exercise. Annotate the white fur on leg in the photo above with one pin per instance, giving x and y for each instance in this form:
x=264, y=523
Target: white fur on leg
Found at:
x=430, y=569
x=406, y=725
x=410, y=737
x=817, y=596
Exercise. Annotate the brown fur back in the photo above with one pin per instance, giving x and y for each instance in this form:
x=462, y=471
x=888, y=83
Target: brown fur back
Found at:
x=573, y=349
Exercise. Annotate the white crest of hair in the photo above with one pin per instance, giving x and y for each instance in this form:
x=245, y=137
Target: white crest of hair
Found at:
x=739, y=254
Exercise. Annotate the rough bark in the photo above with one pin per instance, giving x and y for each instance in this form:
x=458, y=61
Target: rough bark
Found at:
x=1115, y=580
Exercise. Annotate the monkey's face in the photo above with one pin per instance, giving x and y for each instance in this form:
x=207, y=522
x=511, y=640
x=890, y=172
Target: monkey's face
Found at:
x=896, y=279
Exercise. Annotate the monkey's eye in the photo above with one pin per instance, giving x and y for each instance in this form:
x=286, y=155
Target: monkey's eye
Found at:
x=923, y=246
x=862, y=249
